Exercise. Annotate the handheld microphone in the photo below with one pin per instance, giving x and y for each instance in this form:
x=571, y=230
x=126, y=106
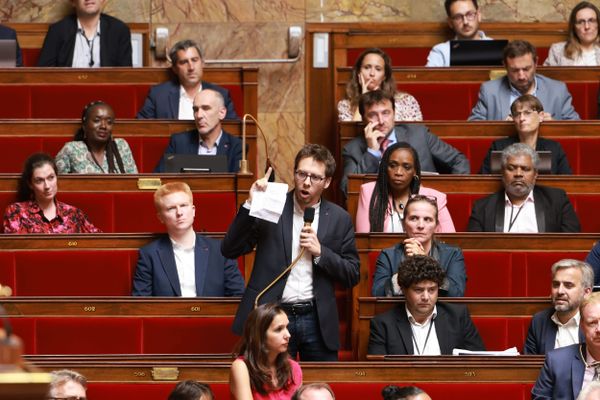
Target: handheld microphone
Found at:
x=309, y=217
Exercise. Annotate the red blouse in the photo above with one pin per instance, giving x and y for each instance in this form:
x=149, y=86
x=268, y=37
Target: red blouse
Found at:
x=27, y=217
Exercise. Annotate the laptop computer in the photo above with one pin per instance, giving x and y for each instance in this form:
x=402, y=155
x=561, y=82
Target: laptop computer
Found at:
x=195, y=163
x=8, y=53
x=476, y=52
x=544, y=167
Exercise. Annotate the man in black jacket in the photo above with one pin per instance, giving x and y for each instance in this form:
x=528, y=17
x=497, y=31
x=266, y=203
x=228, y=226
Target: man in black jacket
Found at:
x=87, y=39
x=522, y=206
x=422, y=325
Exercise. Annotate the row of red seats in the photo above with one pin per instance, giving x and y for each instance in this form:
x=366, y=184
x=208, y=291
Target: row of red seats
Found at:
x=504, y=273
x=67, y=100
x=342, y=390
x=186, y=335
x=41, y=272
x=125, y=212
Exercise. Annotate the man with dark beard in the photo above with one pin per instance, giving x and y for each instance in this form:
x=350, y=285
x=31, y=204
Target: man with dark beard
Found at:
x=522, y=206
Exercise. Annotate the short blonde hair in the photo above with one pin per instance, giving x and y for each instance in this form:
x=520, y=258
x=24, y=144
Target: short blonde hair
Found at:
x=593, y=298
x=167, y=189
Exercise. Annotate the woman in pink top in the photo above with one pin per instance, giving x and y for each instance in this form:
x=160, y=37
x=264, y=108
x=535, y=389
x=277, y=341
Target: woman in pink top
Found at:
x=381, y=203
x=263, y=369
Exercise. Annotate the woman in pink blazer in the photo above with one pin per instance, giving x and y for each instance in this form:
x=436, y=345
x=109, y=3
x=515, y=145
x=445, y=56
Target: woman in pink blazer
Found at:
x=381, y=203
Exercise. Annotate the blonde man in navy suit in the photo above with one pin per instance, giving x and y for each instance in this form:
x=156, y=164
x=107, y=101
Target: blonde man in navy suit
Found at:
x=183, y=263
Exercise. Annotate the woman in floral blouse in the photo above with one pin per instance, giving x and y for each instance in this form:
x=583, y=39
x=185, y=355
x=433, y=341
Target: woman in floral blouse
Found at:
x=94, y=150
x=37, y=210
x=373, y=71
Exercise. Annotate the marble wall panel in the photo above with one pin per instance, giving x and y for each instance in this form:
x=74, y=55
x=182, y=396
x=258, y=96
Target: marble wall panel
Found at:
x=431, y=11
x=53, y=10
x=357, y=10
x=283, y=145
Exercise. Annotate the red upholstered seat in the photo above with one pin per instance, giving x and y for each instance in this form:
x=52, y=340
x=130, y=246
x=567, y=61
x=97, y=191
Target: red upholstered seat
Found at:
x=400, y=56
x=188, y=335
x=585, y=96
x=74, y=273
x=502, y=333
x=124, y=212
x=342, y=390
x=504, y=273
x=67, y=101
x=146, y=391
x=14, y=101
x=586, y=207
x=88, y=335
x=445, y=391
x=463, y=94
x=460, y=206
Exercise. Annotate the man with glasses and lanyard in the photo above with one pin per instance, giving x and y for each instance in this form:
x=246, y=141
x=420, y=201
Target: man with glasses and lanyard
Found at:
x=422, y=325
x=463, y=18
x=521, y=206
x=325, y=250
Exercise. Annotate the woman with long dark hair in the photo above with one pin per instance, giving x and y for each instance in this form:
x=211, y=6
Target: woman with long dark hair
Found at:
x=381, y=203
x=373, y=71
x=93, y=149
x=263, y=369
x=37, y=210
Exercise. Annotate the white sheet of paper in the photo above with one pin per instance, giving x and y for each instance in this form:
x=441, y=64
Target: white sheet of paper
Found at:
x=268, y=205
x=508, y=352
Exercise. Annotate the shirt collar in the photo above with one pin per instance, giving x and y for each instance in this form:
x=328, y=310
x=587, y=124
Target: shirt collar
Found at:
x=177, y=246
x=412, y=320
x=216, y=141
x=299, y=211
x=34, y=208
x=529, y=199
x=183, y=93
x=80, y=28
x=515, y=92
x=574, y=321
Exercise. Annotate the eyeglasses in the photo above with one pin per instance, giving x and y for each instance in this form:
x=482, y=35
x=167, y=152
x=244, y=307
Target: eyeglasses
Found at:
x=590, y=22
x=525, y=113
x=314, y=179
x=470, y=16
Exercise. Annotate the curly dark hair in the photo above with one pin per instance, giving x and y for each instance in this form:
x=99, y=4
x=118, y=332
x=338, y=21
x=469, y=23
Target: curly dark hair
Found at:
x=419, y=268
x=380, y=201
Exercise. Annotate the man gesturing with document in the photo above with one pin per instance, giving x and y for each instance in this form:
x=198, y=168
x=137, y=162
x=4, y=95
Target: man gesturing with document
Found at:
x=323, y=251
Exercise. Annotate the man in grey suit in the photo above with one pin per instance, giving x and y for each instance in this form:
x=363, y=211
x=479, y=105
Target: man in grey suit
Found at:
x=558, y=326
x=569, y=369
x=496, y=96
x=363, y=154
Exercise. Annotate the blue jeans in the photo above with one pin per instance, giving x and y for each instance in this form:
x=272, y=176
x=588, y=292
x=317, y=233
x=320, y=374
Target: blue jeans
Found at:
x=306, y=338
